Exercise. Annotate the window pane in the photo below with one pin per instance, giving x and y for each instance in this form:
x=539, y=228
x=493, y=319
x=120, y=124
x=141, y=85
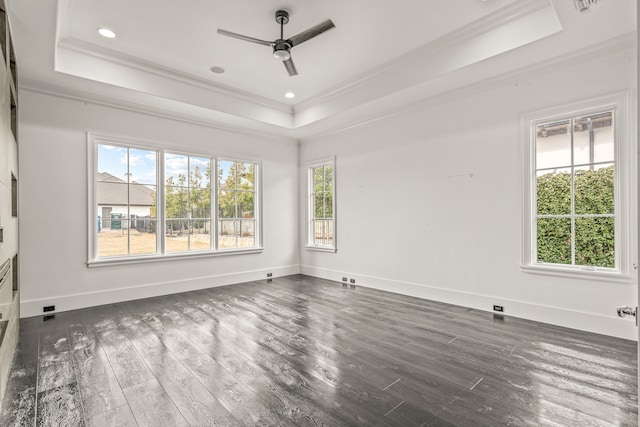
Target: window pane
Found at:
x=227, y=233
x=595, y=242
x=176, y=236
x=142, y=166
x=318, y=232
x=246, y=200
x=318, y=179
x=318, y=205
x=247, y=233
x=176, y=202
x=554, y=240
x=110, y=194
x=226, y=174
x=142, y=200
x=553, y=192
x=113, y=241
x=594, y=190
x=199, y=171
x=246, y=176
x=553, y=145
x=175, y=169
x=328, y=178
x=200, y=203
x=227, y=204
x=593, y=138
x=112, y=163
x=328, y=205
x=200, y=234
x=328, y=230
x=142, y=236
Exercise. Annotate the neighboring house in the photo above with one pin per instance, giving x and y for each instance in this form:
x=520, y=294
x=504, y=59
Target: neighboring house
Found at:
x=116, y=197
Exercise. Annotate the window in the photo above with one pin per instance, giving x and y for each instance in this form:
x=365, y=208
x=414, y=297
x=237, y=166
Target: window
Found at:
x=236, y=204
x=577, y=189
x=126, y=187
x=153, y=203
x=187, y=202
x=321, y=210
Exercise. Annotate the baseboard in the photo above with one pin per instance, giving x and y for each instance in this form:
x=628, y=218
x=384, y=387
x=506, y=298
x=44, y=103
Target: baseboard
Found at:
x=29, y=308
x=612, y=326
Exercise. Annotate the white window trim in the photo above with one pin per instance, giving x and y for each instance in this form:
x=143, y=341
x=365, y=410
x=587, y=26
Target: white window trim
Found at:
x=309, y=245
x=93, y=139
x=625, y=185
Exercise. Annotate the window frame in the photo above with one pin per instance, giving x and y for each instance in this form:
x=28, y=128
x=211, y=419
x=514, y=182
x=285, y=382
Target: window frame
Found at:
x=95, y=139
x=624, y=185
x=310, y=245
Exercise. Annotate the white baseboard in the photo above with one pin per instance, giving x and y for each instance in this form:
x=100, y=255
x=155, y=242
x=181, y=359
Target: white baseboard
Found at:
x=29, y=308
x=606, y=325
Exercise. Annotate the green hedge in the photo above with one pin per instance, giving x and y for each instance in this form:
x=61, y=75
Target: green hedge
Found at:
x=594, y=194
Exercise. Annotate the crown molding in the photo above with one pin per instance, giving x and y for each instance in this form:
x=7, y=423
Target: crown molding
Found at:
x=500, y=18
x=625, y=42
x=98, y=52
x=242, y=126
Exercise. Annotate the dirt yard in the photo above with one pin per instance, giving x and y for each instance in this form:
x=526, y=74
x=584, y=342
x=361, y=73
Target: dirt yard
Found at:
x=114, y=242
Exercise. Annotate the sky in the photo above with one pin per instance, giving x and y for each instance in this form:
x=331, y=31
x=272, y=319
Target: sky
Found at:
x=142, y=164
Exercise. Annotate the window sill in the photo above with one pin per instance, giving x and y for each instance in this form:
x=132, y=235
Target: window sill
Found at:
x=155, y=258
x=321, y=248
x=578, y=273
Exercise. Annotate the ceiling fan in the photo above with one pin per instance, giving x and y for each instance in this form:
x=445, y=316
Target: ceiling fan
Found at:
x=282, y=47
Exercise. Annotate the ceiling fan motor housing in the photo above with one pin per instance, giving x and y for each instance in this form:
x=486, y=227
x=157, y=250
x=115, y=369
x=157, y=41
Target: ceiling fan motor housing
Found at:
x=281, y=50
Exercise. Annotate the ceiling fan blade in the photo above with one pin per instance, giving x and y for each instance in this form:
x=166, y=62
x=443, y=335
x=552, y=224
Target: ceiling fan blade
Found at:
x=245, y=38
x=311, y=32
x=291, y=68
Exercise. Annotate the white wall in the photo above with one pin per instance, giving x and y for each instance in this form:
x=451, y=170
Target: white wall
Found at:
x=8, y=167
x=53, y=157
x=429, y=201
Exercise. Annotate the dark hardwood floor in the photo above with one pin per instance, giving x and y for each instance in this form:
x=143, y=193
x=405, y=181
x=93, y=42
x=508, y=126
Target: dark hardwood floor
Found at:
x=303, y=351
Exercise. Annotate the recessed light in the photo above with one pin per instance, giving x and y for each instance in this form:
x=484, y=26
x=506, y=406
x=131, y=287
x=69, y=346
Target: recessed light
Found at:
x=106, y=32
x=290, y=95
x=217, y=70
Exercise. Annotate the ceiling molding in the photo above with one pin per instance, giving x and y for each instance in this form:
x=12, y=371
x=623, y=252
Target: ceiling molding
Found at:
x=626, y=42
x=502, y=17
x=198, y=116
x=523, y=23
x=102, y=53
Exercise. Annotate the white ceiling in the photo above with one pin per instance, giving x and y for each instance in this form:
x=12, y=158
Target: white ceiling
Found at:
x=378, y=57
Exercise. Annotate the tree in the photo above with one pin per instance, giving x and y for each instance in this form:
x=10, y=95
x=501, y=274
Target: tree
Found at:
x=594, y=236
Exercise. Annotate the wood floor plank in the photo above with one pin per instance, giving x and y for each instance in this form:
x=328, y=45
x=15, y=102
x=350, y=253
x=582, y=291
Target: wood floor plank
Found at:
x=127, y=365
x=151, y=406
x=304, y=351
x=117, y=417
x=60, y=406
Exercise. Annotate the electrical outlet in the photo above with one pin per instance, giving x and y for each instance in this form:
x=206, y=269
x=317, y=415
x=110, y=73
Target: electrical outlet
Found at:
x=269, y=274
x=49, y=308
x=498, y=308
x=353, y=281
x=344, y=279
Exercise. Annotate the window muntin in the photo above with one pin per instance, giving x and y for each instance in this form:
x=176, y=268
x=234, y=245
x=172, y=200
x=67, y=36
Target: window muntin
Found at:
x=236, y=204
x=187, y=199
x=178, y=197
x=126, y=185
x=321, y=177
x=575, y=191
